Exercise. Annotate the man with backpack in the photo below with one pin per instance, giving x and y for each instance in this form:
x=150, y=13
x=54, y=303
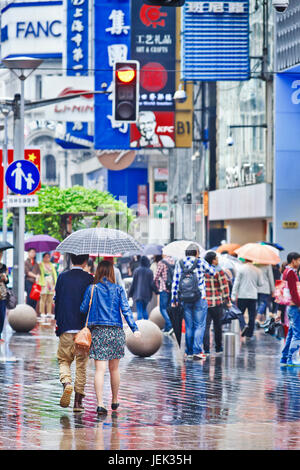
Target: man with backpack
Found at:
x=163, y=280
x=188, y=289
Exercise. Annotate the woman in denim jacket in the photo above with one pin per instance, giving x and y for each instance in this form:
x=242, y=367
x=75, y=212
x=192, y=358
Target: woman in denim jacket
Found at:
x=105, y=323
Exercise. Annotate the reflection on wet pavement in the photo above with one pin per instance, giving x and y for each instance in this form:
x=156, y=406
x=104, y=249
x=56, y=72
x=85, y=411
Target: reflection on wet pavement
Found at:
x=247, y=402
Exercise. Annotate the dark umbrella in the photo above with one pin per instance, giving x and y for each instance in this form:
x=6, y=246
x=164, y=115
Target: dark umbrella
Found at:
x=276, y=245
x=5, y=246
x=176, y=317
x=41, y=243
x=152, y=249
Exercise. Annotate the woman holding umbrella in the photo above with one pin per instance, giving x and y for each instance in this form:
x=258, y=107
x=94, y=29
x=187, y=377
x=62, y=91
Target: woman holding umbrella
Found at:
x=108, y=300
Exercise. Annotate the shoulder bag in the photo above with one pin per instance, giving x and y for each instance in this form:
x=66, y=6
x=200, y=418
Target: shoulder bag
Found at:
x=83, y=339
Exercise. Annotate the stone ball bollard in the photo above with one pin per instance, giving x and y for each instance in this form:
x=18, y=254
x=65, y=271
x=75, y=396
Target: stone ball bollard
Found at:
x=23, y=318
x=157, y=318
x=150, y=341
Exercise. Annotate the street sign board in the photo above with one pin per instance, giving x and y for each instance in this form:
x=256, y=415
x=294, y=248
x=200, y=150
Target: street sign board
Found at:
x=22, y=201
x=22, y=177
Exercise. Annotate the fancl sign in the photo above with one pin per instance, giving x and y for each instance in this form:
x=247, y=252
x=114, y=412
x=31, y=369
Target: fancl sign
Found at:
x=32, y=28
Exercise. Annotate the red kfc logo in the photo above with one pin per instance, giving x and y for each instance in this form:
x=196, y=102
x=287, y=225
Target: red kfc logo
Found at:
x=151, y=16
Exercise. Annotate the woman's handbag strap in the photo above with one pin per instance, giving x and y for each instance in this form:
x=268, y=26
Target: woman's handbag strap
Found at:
x=87, y=318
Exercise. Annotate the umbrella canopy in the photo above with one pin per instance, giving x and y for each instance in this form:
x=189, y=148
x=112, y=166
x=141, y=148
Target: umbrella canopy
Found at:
x=152, y=249
x=229, y=247
x=41, y=243
x=99, y=240
x=176, y=317
x=5, y=246
x=258, y=253
x=177, y=249
x=228, y=262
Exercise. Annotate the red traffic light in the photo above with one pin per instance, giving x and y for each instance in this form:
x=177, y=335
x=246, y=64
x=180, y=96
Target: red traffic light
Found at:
x=126, y=74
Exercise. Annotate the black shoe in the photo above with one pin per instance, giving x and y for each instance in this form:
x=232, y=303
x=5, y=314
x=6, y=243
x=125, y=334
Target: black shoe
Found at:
x=115, y=406
x=101, y=410
x=245, y=330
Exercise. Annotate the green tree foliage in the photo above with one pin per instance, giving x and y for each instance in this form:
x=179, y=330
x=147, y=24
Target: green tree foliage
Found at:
x=56, y=205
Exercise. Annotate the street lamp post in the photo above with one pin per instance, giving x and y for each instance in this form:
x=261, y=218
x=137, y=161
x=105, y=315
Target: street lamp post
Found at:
x=5, y=111
x=19, y=66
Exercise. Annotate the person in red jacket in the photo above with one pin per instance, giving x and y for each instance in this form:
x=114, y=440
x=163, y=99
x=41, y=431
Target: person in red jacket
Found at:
x=292, y=342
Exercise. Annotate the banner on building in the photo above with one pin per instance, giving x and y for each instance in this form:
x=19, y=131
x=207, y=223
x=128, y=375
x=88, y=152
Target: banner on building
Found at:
x=112, y=44
x=75, y=133
x=146, y=33
x=215, y=40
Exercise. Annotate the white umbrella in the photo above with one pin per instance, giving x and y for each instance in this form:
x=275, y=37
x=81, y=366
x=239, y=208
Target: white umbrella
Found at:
x=99, y=240
x=177, y=249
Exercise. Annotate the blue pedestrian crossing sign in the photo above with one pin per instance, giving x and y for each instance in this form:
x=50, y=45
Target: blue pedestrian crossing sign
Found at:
x=22, y=177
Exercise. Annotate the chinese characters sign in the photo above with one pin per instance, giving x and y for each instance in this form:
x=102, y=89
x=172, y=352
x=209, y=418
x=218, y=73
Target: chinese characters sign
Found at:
x=77, y=37
x=112, y=44
x=215, y=40
x=147, y=34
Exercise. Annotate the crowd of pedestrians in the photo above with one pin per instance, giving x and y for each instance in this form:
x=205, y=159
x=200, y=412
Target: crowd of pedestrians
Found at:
x=198, y=285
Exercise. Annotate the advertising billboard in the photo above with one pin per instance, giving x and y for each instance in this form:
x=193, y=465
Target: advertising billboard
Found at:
x=215, y=40
x=287, y=158
x=26, y=34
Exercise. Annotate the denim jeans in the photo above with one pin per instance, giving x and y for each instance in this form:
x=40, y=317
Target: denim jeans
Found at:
x=195, y=322
x=164, y=302
x=292, y=341
x=2, y=314
x=263, y=301
x=141, y=307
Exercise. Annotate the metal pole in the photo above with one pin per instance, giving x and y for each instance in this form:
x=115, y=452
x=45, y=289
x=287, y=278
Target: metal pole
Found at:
x=4, y=211
x=21, y=279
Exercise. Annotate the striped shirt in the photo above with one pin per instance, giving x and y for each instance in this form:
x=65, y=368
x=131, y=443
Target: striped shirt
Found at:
x=202, y=268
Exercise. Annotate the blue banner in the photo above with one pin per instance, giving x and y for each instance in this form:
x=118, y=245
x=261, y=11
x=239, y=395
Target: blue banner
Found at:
x=112, y=43
x=215, y=40
x=77, y=37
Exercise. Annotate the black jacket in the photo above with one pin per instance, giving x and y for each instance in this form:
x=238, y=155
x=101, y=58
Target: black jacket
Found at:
x=69, y=292
x=143, y=285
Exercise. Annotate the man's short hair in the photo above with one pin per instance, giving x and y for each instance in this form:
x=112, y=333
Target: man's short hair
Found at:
x=293, y=255
x=192, y=250
x=210, y=256
x=78, y=259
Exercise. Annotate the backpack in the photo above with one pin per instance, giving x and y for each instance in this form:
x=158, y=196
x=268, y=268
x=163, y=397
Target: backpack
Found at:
x=170, y=273
x=188, y=290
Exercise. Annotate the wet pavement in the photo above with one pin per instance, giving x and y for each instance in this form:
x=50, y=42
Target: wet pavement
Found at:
x=222, y=403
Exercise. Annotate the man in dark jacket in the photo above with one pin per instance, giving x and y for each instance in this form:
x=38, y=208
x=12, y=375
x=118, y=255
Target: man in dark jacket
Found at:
x=69, y=292
x=142, y=287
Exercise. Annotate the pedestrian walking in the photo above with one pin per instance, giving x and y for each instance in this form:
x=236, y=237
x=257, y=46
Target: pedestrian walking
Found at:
x=292, y=342
x=118, y=275
x=3, y=294
x=188, y=288
x=265, y=292
x=142, y=287
x=217, y=295
x=69, y=292
x=47, y=281
x=245, y=292
x=32, y=272
x=163, y=280
x=105, y=322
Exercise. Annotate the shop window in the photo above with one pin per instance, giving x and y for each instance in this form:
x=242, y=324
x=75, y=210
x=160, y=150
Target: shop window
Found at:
x=50, y=165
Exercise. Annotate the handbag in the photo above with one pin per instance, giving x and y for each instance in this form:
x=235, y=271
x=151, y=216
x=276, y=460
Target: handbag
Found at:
x=232, y=313
x=11, y=299
x=35, y=293
x=83, y=338
x=282, y=292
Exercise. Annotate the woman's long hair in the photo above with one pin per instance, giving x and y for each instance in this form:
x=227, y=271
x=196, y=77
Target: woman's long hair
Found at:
x=105, y=269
